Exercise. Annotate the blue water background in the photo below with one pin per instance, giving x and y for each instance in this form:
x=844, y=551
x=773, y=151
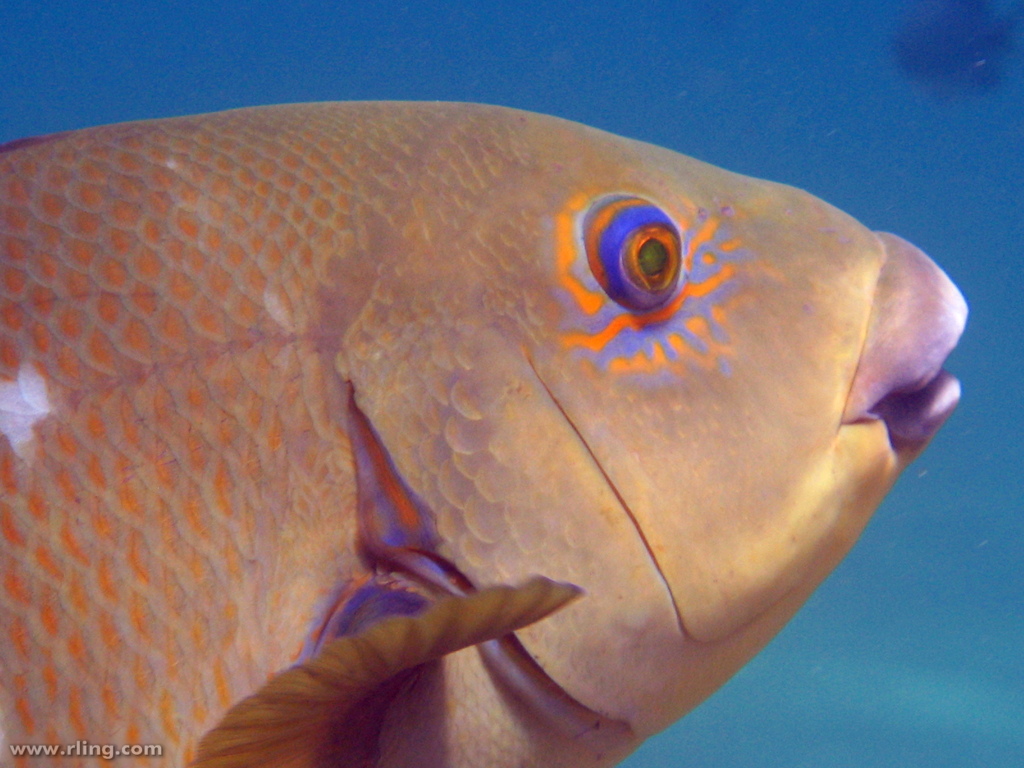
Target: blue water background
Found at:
x=912, y=654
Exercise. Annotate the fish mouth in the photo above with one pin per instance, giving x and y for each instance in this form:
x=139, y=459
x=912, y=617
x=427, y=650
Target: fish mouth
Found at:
x=916, y=319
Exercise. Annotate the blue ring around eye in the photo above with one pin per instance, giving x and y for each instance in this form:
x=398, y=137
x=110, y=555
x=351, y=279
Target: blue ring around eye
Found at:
x=613, y=248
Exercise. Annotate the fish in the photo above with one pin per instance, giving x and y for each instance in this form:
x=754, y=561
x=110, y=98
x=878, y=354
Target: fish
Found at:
x=955, y=48
x=425, y=434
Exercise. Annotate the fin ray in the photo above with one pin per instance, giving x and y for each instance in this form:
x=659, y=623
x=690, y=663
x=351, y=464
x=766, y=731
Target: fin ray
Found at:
x=329, y=710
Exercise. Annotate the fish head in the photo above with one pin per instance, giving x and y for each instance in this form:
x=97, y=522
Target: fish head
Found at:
x=753, y=416
x=697, y=451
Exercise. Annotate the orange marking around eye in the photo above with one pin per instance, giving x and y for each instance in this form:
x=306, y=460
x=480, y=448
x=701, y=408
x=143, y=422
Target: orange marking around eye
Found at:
x=702, y=236
x=698, y=326
x=656, y=353
x=727, y=272
x=707, y=360
x=683, y=349
x=597, y=342
x=641, y=362
x=565, y=245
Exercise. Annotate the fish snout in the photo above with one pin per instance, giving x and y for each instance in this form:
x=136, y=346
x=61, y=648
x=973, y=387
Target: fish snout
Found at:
x=916, y=320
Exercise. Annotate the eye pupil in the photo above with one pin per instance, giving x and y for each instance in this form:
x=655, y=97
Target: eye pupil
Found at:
x=652, y=259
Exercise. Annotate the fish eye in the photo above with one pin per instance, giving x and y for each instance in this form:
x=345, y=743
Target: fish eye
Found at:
x=634, y=252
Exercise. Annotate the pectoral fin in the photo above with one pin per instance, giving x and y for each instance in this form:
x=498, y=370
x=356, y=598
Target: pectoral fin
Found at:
x=328, y=711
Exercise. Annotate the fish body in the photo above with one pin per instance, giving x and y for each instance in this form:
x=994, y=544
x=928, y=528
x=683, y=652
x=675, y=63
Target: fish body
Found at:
x=271, y=376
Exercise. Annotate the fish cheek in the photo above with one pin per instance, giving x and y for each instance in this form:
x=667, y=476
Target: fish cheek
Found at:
x=515, y=493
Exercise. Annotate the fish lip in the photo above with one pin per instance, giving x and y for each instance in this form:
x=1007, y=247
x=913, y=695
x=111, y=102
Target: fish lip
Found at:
x=916, y=319
x=913, y=416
